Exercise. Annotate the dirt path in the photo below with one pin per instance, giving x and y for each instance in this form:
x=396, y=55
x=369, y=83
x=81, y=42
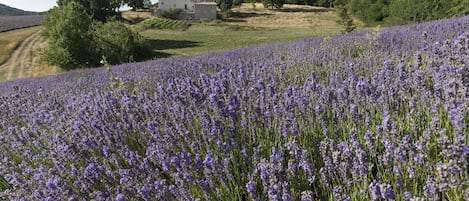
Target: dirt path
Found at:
x=25, y=60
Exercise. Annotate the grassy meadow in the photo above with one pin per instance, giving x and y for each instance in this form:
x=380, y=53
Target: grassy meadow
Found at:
x=246, y=26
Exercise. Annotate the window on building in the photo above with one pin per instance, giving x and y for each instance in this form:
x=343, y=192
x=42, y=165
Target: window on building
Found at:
x=185, y=6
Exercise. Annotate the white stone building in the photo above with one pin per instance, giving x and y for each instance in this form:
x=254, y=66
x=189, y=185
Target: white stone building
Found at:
x=192, y=9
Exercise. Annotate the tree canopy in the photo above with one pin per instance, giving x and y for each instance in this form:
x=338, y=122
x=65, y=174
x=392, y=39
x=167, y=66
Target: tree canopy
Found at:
x=70, y=42
x=102, y=10
x=77, y=38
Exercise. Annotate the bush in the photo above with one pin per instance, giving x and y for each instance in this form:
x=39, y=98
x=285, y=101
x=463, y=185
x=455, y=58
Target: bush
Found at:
x=70, y=42
x=171, y=13
x=75, y=40
x=119, y=44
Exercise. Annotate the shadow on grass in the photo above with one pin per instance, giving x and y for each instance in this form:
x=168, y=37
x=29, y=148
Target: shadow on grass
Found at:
x=158, y=45
x=232, y=20
x=171, y=44
x=306, y=10
x=246, y=15
x=159, y=55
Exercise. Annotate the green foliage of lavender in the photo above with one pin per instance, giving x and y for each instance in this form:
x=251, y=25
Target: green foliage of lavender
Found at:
x=365, y=116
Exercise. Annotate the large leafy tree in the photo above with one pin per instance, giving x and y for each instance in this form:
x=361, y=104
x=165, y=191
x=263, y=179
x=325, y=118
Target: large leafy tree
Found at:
x=70, y=42
x=118, y=43
x=76, y=40
x=100, y=10
x=369, y=10
x=424, y=10
x=224, y=5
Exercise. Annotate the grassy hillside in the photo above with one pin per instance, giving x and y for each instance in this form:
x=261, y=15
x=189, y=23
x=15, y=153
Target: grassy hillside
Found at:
x=246, y=26
x=10, y=11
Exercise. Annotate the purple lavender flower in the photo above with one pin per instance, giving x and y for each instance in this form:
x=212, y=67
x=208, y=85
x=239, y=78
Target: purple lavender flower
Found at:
x=120, y=197
x=307, y=196
x=375, y=191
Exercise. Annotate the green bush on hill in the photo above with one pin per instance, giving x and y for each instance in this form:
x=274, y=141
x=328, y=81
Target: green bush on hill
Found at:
x=76, y=40
x=171, y=13
x=119, y=44
x=70, y=43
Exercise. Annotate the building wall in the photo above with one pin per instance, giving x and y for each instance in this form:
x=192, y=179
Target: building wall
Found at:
x=194, y=9
x=182, y=4
x=206, y=11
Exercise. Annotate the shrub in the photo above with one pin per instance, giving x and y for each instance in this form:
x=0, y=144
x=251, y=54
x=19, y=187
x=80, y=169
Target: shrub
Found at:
x=70, y=42
x=119, y=44
x=171, y=13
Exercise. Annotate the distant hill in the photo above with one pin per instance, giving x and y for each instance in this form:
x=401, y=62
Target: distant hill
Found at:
x=10, y=11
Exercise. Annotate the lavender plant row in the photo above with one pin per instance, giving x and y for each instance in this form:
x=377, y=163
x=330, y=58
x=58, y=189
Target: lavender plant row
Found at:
x=377, y=115
x=8, y=23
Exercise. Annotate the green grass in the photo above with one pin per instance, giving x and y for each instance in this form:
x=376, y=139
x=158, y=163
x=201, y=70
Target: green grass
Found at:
x=158, y=23
x=219, y=36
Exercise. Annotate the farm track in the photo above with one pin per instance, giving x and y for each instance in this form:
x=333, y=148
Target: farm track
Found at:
x=25, y=59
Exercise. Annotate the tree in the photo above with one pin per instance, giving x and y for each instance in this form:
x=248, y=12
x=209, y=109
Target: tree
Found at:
x=273, y=3
x=224, y=5
x=70, y=42
x=345, y=19
x=422, y=10
x=135, y=4
x=369, y=10
x=100, y=10
x=119, y=44
x=324, y=3
x=76, y=40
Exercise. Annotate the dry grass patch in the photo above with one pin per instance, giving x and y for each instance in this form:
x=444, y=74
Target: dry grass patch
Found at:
x=290, y=16
x=136, y=16
x=10, y=40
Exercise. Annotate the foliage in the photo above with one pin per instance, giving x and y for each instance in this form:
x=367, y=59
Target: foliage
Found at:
x=70, y=42
x=324, y=3
x=119, y=44
x=423, y=10
x=369, y=10
x=135, y=4
x=75, y=40
x=290, y=121
x=224, y=5
x=100, y=10
x=172, y=13
x=460, y=7
x=405, y=11
x=345, y=20
x=273, y=3
x=157, y=23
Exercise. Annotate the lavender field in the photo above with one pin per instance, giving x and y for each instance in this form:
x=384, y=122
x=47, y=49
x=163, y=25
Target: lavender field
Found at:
x=375, y=115
x=8, y=23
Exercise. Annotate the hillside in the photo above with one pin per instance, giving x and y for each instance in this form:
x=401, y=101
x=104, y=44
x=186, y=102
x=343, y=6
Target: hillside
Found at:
x=373, y=115
x=10, y=11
